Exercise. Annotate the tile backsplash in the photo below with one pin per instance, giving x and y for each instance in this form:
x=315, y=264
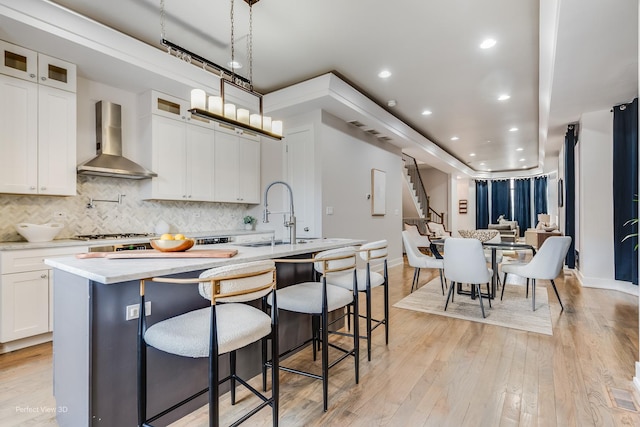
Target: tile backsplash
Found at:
x=133, y=215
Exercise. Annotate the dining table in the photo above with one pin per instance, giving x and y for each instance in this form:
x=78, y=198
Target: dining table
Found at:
x=494, y=246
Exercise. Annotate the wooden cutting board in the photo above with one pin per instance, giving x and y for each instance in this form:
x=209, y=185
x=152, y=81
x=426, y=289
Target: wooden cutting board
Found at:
x=152, y=253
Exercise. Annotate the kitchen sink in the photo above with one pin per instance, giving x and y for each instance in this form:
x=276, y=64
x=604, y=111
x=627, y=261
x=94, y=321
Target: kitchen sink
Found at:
x=259, y=244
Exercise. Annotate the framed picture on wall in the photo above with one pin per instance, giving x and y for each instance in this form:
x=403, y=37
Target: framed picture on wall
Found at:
x=462, y=206
x=378, y=192
x=560, y=193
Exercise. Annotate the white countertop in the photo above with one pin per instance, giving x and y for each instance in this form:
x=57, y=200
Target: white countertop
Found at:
x=110, y=271
x=11, y=246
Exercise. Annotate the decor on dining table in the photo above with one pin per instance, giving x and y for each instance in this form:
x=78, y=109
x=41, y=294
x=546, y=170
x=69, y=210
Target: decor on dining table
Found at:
x=513, y=312
x=482, y=235
x=378, y=191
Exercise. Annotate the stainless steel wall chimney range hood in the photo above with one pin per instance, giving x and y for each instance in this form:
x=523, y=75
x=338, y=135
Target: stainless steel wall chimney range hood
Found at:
x=109, y=161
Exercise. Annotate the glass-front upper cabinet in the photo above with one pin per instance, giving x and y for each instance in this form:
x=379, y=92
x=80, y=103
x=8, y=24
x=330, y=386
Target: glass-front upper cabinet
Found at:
x=29, y=65
x=56, y=73
x=18, y=62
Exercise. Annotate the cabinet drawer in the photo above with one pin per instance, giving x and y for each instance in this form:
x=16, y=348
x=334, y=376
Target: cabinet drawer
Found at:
x=33, y=259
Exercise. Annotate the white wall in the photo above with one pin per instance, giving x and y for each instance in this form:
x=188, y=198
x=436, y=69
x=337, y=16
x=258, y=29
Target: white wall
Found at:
x=595, y=177
x=463, y=189
x=348, y=155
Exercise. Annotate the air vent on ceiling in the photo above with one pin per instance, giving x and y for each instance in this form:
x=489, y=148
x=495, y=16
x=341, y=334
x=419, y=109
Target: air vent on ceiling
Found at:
x=356, y=123
x=385, y=138
x=373, y=132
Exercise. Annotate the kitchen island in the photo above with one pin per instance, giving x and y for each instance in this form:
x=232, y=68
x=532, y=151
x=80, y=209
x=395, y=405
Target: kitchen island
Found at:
x=94, y=346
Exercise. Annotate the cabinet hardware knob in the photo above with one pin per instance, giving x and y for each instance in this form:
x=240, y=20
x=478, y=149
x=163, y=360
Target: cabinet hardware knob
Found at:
x=43, y=276
x=306, y=229
x=32, y=187
x=43, y=78
x=43, y=188
x=32, y=75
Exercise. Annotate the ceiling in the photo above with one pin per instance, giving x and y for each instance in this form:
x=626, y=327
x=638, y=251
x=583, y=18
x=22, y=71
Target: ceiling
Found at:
x=555, y=59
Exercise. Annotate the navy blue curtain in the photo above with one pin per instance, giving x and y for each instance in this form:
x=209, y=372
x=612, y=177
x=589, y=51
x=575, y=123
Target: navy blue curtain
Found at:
x=569, y=193
x=540, y=196
x=482, y=205
x=625, y=190
x=500, y=200
x=522, y=204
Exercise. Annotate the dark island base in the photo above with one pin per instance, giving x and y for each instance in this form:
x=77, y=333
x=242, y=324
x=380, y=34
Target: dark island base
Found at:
x=99, y=363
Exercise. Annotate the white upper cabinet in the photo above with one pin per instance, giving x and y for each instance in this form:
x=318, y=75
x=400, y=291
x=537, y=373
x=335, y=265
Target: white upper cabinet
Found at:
x=56, y=141
x=182, y=151
x=37, y=138
x=26, y=64
x=56, y=73
x=19, y=62
x=37, y=123
x=237, y=166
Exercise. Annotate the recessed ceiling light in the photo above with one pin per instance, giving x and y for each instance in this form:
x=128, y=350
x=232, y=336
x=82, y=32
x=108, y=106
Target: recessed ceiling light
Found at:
x=392, y=103
x=454, y=138
x=522, y=160
x=524, y=167
x=426, y=113
x=489, y=170
x=234, y=65
x=472, y=154
x=514, y=129
x=384, y=74
x=503, y=97
x=487, y=43
x=519, y=149
x=482, y=163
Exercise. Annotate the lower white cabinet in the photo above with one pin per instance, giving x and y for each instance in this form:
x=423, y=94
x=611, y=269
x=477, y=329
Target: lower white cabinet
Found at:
x=26, y=294
x=25, y=305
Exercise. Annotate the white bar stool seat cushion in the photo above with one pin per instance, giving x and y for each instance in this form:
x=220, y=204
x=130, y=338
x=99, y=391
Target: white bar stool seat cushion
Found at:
x=306, y=297
x=188, y=334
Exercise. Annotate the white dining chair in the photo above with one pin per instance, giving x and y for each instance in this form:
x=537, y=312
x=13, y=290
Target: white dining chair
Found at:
x=418, y=261
x=420, y=240
x=464, y=262
x=545, y=265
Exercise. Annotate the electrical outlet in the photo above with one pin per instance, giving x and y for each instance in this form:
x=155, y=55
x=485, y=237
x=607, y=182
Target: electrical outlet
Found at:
x=133, y=311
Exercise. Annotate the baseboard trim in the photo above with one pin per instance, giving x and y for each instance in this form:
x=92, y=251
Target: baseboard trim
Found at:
x=610, y=284
x=636, y=378
x=25, y=342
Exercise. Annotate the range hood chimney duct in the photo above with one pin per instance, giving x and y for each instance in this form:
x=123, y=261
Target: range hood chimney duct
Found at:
x=109, y=161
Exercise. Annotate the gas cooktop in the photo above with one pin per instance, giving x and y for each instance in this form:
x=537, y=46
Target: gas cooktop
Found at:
x=112, y=236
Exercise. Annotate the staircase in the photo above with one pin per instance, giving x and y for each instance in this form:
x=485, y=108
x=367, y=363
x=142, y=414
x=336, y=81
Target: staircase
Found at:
x=419, y=201
x=415, y=202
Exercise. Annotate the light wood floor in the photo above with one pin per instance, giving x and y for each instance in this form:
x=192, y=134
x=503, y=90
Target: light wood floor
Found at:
x=436, y=371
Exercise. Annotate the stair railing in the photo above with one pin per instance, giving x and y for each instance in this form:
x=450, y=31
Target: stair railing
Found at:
x=416, y=179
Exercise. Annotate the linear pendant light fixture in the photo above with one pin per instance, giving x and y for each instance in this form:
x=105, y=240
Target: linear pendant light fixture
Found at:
x=219, y=108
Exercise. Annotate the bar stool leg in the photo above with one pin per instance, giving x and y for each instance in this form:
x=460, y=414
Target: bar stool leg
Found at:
x=386, y=304
x=232, y=370
x=368, y=300
x=315, y=336
x=325, y=358
x=214, y=406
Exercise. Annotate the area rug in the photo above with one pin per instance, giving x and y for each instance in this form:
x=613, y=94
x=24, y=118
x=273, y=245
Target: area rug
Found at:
x=514, y=311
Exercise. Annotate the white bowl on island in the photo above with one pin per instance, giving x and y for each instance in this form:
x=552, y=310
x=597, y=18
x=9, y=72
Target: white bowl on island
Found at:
x=39, y=232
